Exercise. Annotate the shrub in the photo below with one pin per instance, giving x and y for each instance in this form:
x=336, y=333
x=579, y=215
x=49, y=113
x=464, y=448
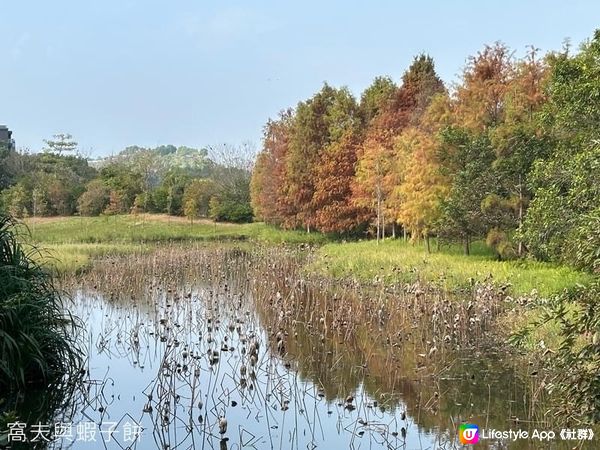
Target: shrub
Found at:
x=499, y=241
x=576, y=362
x=228, y=211
x=94, y=200
x=583, y=246
x=37, y=340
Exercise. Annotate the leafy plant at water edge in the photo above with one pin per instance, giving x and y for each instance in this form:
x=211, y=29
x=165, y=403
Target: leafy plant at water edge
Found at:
x=576, y=362
x=37, y=339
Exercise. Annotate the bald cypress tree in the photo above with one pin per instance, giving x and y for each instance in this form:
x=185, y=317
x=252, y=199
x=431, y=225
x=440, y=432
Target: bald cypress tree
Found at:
x=379, y=168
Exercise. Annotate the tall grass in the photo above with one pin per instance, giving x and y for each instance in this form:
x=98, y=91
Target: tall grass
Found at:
x=37, y=339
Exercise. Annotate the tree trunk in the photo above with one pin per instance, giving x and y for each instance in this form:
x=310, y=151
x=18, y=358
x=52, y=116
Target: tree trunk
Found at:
x=404, y=233
x=427, y=243
x=467, y=246
x=520, y=248
x=394, y=230
x=378, y=216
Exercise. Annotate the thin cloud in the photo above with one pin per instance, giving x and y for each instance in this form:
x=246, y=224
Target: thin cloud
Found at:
x=20, y=44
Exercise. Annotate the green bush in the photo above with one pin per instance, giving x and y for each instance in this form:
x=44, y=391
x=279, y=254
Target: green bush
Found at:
x=576, y=362
x=228, y=211
x=94, y=200
x=583, y=246
x=37, y=339
x=499, y=241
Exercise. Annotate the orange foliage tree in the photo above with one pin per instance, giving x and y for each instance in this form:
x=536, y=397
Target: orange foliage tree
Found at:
x=319, y=122
x=379, y=169
x=423, y=185
x=268, y=177
x=333, y=189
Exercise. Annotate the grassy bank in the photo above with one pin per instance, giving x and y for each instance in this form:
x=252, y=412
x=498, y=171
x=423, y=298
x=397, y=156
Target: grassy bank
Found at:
x=74, y=241
x=150, y=228
x=399, y=261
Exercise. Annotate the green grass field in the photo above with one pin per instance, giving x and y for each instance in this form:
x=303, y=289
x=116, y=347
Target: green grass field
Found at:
x=399, y=261
x=147, y=229
x=73, y=242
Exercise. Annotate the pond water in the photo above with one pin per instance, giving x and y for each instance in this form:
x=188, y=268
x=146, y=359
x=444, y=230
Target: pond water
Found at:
x=228, y=349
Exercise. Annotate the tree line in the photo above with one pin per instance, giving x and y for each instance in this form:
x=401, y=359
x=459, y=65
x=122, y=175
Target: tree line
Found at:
x=166, y=179
x=509, y=154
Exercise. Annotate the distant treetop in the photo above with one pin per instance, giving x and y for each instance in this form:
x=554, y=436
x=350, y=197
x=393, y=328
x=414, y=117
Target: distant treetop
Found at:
x=61, y=143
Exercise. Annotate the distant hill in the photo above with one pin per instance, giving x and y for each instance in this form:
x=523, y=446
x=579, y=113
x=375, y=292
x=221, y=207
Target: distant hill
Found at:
x=165, y=156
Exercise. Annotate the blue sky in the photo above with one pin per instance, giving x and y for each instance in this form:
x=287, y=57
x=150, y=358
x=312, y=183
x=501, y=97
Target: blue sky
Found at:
x=123, y=72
